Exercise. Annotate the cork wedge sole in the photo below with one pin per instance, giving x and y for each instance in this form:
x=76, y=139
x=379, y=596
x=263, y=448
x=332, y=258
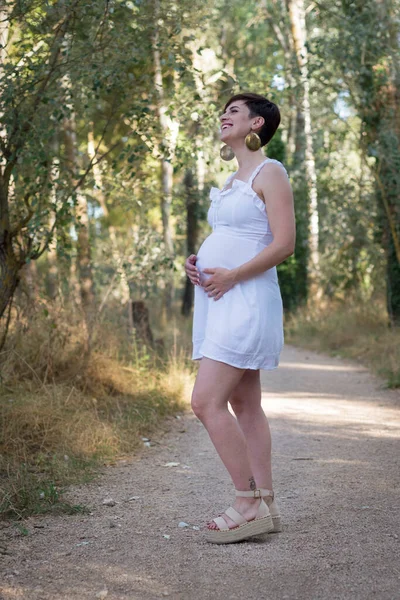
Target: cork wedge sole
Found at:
x=242, y=532
x=276, y=521
x=273, y=509
x=262, y=523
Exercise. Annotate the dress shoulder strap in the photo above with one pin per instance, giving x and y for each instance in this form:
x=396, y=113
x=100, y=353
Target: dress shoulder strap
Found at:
x=260, y=166
x=227, y=182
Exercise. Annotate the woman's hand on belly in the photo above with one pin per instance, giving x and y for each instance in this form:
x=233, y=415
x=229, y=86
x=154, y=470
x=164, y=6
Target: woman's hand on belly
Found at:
x=220, y=282
x=191, y=270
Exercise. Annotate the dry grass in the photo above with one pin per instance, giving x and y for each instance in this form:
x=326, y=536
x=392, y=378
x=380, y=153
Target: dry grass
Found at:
x=61, y=414
x=352, y=328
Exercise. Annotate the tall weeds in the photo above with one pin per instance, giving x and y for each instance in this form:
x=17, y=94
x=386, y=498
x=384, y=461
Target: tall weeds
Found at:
x=355, y=328
x=61, y=414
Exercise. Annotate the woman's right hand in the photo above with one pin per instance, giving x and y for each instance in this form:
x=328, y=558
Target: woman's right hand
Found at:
x=191, y=269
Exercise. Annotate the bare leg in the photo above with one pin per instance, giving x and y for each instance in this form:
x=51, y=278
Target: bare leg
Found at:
x=214, y=385
x=245, y=401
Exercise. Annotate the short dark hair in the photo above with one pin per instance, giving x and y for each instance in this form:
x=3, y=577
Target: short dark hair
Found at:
x=260, y=106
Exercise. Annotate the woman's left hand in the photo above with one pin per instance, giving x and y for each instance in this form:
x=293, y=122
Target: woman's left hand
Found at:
x=220, y=282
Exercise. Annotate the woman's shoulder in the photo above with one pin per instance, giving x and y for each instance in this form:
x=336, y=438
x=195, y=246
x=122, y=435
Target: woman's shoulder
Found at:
x=273, y=169
x=273, y=176
x=270, y=162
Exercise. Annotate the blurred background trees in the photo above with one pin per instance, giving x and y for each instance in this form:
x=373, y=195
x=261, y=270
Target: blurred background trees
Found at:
x=109, y=145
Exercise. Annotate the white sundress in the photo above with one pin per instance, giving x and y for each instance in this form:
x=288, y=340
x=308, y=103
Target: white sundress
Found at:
x=244, y=328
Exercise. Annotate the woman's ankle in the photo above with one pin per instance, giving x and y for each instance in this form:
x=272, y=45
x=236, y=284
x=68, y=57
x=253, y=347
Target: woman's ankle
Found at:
x=247, y=501
x=269, y=496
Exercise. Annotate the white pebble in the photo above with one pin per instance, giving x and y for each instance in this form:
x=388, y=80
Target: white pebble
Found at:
x=109, y=502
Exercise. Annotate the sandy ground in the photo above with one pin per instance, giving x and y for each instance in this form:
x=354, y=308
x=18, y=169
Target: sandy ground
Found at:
x=336, y=467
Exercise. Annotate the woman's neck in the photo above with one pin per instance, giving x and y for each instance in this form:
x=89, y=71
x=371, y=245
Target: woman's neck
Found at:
x=247, y=158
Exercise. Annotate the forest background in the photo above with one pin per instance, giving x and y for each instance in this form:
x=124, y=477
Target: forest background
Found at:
x=109, y=145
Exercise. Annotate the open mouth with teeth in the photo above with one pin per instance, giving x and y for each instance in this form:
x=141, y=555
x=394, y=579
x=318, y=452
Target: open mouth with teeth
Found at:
x=225, y=126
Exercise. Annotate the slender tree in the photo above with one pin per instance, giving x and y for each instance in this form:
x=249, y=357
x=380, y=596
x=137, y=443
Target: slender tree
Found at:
x=299, y=35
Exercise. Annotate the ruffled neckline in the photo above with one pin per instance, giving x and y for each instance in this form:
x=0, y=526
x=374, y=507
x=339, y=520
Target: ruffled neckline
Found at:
x=246, y=187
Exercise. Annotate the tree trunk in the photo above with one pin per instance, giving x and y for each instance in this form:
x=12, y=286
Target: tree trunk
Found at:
x=281, y=29
x=169, y=134
x=10, y=280
x=191, y=235
x=299, y=35
x=294, y=276
x=117, y=255
x=9, y=264
x=4, y=30
x=27, y=294
x=141, y=322
x=9, y=274
x=83, y=244
x=393, y=283
x=291, y=131
x=84, y=260
x=52, y=278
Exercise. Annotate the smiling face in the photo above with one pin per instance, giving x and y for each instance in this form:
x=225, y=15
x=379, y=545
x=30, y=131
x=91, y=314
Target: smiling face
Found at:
x=236, y=122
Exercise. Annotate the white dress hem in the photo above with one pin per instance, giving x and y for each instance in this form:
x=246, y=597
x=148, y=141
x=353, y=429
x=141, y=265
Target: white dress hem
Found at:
x=209, y=349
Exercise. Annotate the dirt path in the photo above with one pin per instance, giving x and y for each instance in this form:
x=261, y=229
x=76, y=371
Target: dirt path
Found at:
x=336, y=466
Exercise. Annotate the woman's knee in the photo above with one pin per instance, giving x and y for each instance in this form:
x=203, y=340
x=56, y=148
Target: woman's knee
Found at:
x=205, y=405
x=199, y=405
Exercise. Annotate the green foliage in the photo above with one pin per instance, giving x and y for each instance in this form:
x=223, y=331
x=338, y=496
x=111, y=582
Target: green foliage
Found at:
x=75, y=70
x=362, y=44
x=293, y=277
x=28, y=492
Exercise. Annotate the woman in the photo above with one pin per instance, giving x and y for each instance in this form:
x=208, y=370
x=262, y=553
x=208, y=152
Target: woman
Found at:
x=237, y=323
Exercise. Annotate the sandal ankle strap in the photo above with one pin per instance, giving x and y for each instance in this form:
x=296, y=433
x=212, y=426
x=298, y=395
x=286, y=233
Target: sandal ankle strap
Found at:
x=258, y=493
x=265, y=492
x=248, y=494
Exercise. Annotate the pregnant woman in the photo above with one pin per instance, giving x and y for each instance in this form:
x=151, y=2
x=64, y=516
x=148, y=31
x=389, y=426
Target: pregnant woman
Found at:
x=237, y=323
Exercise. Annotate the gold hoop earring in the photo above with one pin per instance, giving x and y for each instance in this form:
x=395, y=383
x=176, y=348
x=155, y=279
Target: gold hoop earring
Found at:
x=253, y=141
x=226, y=153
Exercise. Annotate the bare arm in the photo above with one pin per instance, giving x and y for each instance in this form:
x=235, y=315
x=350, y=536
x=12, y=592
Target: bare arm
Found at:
x=278, y=198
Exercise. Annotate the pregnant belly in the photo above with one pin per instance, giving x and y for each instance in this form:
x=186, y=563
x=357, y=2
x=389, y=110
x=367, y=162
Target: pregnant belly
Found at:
x=219, y=250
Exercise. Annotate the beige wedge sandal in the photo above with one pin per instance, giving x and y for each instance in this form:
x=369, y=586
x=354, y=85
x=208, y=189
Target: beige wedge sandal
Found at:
x=273, y=509
x=262, y=523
